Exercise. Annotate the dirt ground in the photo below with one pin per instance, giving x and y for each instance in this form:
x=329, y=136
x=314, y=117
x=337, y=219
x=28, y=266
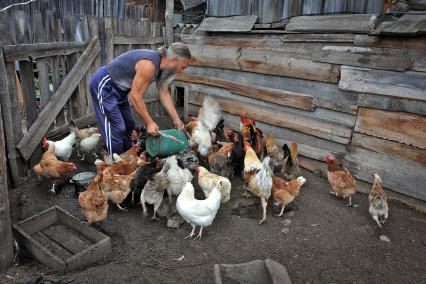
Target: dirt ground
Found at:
x=325, y=242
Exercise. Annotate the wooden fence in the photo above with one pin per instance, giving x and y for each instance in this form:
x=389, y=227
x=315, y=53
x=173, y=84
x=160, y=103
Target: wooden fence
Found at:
x=46, y=63
x=334, y=89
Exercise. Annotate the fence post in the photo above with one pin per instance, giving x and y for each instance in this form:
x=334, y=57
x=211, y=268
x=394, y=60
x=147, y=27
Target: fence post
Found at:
x=109, y=37
x=169, y=21
x=6, y=246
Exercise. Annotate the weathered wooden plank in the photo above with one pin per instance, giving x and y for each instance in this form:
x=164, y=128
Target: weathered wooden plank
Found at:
x=326, y=95
x=228, y=24
x=169, y=18
x=402, y=176
x=418, y=43
x=294, y=121
x=319, y=113
x=410, y=85
x=392, y=104
x=287, y=98
x=120, y=39
x=408, y=24
x=389, y=148
x=352, y=23
x=417, y=5
x=27, y=82
x=109, y=44
x=263, y=61
x=6, y=244
x=406, y=128
x=38, y=50
x=376, y=61
x=35, y=134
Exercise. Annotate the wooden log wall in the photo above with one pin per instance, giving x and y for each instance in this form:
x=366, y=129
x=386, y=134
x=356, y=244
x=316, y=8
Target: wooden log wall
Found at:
x=46, y=62
x=359, y=97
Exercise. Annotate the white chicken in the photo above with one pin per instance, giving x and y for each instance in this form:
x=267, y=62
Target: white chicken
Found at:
x=198, y=212
x=208, y=117
x=177, y=177
x=207, y=181
x=63, y=148
x=88, y=145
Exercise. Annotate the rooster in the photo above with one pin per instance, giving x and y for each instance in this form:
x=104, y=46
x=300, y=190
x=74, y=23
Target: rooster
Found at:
x=208, y=117
x=284, y=192
x=53, y=169
x=378, y=202
x=257, y=177
x=63, y=148
x=341, y=180
x=198, y=212
x=252, y=134
x=237, y=154
x=93, y=201
x=290, y=169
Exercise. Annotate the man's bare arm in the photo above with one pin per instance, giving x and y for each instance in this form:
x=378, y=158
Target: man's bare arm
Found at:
x=145, y=70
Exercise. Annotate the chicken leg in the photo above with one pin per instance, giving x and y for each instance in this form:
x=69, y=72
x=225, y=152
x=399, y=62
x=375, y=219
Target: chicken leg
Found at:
x=282, y=211
x=52, y=190
x=121, y=208
x=376, y=218
x=199, y=234
x=264, y=204
x=192, y=233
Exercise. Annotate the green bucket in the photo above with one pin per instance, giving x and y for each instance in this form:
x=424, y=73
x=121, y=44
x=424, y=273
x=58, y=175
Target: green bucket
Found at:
x=164, y=146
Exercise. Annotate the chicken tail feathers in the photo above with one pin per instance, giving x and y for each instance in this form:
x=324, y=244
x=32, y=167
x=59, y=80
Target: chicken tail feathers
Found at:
x=210, y=113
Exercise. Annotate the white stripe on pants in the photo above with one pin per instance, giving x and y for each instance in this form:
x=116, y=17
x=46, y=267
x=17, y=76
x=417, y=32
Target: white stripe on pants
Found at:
x=107, y=125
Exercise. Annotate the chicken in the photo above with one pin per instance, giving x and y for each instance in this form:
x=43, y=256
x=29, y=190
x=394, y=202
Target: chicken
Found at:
x=191, y=124
x=93, y=201
x=81, y=134
x=198, y=212
x=257, y=177
x=207, y=181
x=237, y=154
x=63, y=148
x=378, y=203
x=291, y=168
x=252, y=134
x=88, y=145
x=273, y=151
x=187, y=159
x=52, y=168
x=284, y=192
x=143, y=174
x=124, y=164
x=219, y=133
x=208, y=117
x=153, y=191
x=177, y=177
x=341, y=181
x=116, y=187
x=219, y=159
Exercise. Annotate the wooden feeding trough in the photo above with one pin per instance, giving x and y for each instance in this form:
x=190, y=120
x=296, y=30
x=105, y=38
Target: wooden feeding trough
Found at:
x=59, y=240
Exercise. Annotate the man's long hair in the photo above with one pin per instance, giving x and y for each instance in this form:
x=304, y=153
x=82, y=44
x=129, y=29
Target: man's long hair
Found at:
x=175, y=49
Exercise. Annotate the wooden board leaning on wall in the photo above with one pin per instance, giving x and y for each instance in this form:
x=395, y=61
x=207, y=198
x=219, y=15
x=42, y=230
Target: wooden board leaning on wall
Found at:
x=400, y=127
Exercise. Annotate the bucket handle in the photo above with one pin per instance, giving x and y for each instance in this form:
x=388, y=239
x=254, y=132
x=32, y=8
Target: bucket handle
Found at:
x=170, y=137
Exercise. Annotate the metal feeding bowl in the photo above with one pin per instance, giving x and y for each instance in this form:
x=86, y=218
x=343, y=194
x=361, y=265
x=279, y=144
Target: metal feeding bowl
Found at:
x=83, y=179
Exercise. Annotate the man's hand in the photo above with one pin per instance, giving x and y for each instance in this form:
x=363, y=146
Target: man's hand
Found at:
x=179, y=124
x=152, y=128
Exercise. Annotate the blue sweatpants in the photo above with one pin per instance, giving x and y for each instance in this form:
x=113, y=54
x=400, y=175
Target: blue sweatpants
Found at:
x=113, y=112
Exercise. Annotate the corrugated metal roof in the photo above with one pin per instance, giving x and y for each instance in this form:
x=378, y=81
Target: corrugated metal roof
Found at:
x=270, y=11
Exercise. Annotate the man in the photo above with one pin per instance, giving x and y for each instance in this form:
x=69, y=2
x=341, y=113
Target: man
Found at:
x=126, y=78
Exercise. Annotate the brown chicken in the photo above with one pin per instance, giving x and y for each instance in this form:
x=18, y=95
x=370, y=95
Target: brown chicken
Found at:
x=52, y=168
x=252, y=134
x=290, y=169
x=378, y=208
x=257, y=177
x=219, y=159
x=341, y=181
x=284, y=192
x=273, y=151
x=191, y=124
x=126, y=164
x=116, y=187
x=93, y=201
